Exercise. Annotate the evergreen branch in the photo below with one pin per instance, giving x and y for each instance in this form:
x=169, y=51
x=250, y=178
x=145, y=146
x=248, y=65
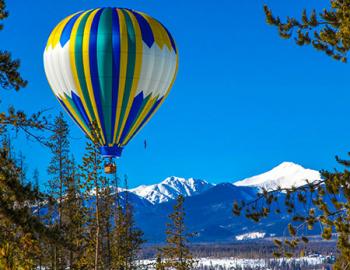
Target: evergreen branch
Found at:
x=327, y=31
x=10, y=78
x=3, y=12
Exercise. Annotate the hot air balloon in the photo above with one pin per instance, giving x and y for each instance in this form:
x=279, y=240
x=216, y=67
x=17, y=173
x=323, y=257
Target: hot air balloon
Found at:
x=112, y=68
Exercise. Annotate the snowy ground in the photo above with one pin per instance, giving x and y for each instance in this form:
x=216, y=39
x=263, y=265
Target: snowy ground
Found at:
x=234, y=263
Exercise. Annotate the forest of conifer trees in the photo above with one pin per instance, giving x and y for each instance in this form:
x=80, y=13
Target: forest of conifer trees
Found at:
x=78, y=221
x=64, y=225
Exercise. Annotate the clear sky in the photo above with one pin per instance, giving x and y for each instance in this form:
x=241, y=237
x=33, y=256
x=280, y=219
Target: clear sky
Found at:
x=243, y=102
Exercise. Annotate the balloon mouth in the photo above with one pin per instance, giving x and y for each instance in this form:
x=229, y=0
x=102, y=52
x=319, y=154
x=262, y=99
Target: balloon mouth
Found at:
x=111, y=151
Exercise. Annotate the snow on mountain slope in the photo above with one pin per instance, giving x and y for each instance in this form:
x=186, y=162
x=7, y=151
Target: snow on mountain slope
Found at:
x=170, y=188
x=285, y=175
x=250, y=236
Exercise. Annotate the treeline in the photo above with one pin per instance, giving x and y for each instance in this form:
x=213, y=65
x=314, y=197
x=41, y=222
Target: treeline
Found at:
x=257, y=249
x=88, y=225
x=81, y=220
x=244, y=250
x=270, y=265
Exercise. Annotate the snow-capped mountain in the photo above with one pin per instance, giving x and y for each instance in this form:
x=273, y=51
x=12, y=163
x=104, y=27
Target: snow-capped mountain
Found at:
x=208, y=207
x=171, y=188
x=285, y=175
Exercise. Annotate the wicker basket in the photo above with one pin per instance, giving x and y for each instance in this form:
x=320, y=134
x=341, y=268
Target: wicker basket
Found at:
x=110, y=168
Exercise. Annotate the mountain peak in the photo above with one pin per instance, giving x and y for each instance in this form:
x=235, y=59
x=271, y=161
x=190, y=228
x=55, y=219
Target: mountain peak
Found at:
x=173, y=179
x=285, y=175
x=170, y=188
x=288, y=164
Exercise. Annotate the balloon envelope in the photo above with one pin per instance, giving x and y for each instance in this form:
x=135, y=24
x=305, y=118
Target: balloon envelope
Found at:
x=111, y=67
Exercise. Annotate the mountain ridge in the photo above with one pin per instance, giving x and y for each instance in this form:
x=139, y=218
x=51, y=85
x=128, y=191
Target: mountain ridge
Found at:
x=284, y=175
x=171, y=188
x=208, y=207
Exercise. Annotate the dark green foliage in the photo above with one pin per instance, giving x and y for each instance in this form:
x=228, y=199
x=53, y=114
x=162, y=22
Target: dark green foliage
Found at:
x=58, y=171
x=126, y=238
x=159, y=263
x=9, y=75
x=74, y=215
x=106, y=203
x=327, y=31
x=107, y=246
x=92, y=176
x=176, y=253
x=16, y=121
x=3, y=12
x=20, y=230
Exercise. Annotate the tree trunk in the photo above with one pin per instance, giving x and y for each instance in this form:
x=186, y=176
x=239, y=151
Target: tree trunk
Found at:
x=109, y=259
x=55, y=258
x=97, y=246
x=97, y=234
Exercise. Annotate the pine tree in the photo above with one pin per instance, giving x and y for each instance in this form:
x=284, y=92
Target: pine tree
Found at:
x=176, y=253
x=10, y=78
x=36, y=179
x=159, y=263
x=106, y=203
x=91, y=175
x=18, y=245
x=58, y=171
x=38, y=206
x=20, y=229
x=327, y=31
x=9, y=75
x=74, y=216
x=59, y=164
x=127, y=239
x=134, y=236
x=22, y=166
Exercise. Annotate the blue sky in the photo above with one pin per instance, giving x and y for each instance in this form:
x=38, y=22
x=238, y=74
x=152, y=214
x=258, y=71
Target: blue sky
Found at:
x=243, y=102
